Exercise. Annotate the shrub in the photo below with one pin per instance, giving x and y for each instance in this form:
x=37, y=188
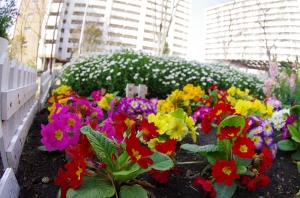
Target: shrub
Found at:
x=162, y=74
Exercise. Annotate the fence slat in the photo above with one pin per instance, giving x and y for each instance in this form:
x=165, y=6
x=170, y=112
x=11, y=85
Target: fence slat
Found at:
x=9, y=187
x=12, y=100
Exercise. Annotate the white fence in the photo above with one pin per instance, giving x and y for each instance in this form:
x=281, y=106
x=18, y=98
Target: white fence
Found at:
x=44, y=88
x=18, y=106
x=132, y=90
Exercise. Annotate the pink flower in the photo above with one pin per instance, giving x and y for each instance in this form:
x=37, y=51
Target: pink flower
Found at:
x=273, y=69
x=54, y=136
x=292, y=81
x=109, y=131
x=267, y=89
x=72, y=122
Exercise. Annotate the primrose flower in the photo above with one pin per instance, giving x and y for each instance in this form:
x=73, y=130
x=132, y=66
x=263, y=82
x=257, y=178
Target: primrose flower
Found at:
x=228, y=132
x=267, y=128
x=138, y=154
x=257, y=130
x=243, y=147
x=177, y=130
x=224, y=170
x=258, y=141
x=54, y=136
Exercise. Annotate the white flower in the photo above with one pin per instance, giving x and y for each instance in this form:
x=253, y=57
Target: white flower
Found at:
x=119, y=73
x=108, y=78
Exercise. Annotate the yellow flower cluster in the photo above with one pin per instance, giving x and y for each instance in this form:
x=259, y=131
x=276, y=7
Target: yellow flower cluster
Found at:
x=61, y=90
x=181, y=99
x=104, y=102
x=257, y=108
x=172, y=127
x=235, y=94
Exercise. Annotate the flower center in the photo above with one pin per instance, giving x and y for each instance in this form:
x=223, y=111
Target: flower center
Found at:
x=129, y=122
x=58, y=134
x=169, y=153
x=219, y=112
x=243, y=148
x=78, y=172
x=136, y=154
x=71, y=122
x=226, y=170
x=267, y=127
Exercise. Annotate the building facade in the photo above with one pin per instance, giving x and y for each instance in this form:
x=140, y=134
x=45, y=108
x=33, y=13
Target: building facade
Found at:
x=259, y=30
x=123, y=23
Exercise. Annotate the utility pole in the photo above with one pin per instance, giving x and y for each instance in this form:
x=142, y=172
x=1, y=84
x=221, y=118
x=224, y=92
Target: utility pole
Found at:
x=83, y=26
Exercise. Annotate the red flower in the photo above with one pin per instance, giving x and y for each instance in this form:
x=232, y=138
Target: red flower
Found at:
x=206, y=185
x=63, y=181
x=221, y=111
x=149, y=130
x=168, y=147
x=245, y=179
x=76, y=172
x=206, y=124
x=224, y=170
x=121, y=123
x=259, y=180
x=213, y=87
x=243, y=147
x=137, y=152
x=82, y=148
x=162, y=176
x=228, y=132
x=266, y=160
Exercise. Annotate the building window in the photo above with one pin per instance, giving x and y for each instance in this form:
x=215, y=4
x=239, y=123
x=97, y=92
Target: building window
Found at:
x=25, y=43
x=79, y=5
x=30, y=15
x=26, y=29
x=78, y=13
x=147, y=39
x=76, y=22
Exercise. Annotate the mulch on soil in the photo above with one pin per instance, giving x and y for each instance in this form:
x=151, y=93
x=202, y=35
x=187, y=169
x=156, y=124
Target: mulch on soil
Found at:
x=36, y=165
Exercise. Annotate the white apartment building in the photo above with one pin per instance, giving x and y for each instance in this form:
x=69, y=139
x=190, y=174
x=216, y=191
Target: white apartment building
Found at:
x=245, y=29
x=127, y=23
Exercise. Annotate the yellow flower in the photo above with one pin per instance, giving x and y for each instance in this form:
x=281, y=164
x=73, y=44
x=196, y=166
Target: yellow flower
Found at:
x=61, y=90
x=177, y=130
x=231, y=91
x=152, y=143
x=63, y=101
x=104, y=102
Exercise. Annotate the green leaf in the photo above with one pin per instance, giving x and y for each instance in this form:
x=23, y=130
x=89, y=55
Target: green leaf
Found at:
x=243, y=161
x=233, y=120
x=294, y=133
x=195, y=148
x=249, y=173
x=241, y=170
x=296, y=155
x=178, y=113
x=298, y=166
x=103, y=146
x=122, y=158
x=43, y=148
x=286, y=145
x=224, y=191
x=213, y=156
x=161, y=161
x=125, y=175
x=295, y=110
x=133, y=192
x=92, y=187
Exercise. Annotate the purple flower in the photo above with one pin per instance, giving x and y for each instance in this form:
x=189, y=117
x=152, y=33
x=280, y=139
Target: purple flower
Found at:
x=109, y=131
x=290, y=120
x=258, y=141
x=257, y=130
x=268, y=141
x=274, y=102
x=267, y=128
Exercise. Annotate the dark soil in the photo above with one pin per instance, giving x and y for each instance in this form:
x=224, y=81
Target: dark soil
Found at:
x=35, y=165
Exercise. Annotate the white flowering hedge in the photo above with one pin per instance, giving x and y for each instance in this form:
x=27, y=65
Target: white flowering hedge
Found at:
x=162, y=74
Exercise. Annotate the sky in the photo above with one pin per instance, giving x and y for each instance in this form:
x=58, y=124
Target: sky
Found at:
x=197, y=32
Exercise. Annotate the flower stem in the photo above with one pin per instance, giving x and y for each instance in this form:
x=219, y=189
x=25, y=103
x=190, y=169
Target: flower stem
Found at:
x=193, y=162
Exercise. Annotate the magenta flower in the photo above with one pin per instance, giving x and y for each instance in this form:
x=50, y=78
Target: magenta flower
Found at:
x=72, y=122
x=290, y=120
x=98, y=113
x=109, y=131
x=97, y=95
x=59, y=111
x=54, y=136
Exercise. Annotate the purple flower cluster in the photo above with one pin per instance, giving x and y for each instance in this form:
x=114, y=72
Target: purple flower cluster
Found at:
x=274, y=102
x=261, y=132
x=136, y=106
x=290, y=120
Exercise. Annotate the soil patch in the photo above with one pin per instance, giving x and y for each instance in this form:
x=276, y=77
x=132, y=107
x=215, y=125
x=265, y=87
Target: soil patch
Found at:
x=36, y=165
